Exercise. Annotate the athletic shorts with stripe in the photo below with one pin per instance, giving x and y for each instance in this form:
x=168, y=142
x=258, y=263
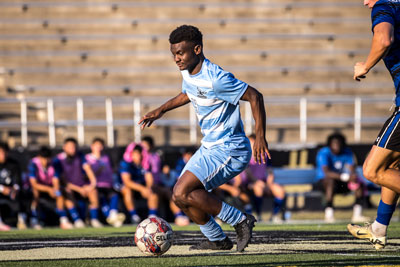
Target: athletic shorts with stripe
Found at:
x=216, y=166
x=389, y=137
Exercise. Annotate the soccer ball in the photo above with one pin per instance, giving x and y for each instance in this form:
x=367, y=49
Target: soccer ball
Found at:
x=153, y=236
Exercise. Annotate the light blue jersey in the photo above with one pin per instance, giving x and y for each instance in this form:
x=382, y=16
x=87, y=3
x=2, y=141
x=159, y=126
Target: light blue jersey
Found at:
x=215, y=95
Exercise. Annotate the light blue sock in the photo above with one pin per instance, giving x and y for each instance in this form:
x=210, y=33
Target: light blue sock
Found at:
x=212, y=230
x=230, y=214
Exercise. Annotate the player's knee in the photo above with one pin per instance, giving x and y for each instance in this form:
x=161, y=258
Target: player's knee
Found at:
x=179, y=197
x=372, y=174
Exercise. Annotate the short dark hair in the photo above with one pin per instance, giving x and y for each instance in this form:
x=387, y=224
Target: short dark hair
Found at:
x=70, y=139
x=186, y=33
x=4, y=146
x=98, y=139
x=149, y=140
x=138, y=148
x=337, y=136
x=44, y=152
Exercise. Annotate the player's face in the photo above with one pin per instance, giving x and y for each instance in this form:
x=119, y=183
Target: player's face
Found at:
x=44, y=161
x=136, y=157
x=145, y=145
x=70, y=148
x=186, y=55
x=370, y=3
x=336, y=146
x=97, y=147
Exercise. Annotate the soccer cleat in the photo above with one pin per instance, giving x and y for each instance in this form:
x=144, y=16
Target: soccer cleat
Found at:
x=135, y=219
x=4, y=227
x=365, y=232
x=116, y=219
x=244, y=231
x=359, y=219
x=96, y=223
x=79, y=224
x=225, y=244
x=66, y=225
x=182, y=220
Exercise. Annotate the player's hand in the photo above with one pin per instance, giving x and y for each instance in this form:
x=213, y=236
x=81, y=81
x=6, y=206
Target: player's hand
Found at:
x=150, y=117
x=235, y=192
x=360, y=71
x=260, y=150
x=6, y=190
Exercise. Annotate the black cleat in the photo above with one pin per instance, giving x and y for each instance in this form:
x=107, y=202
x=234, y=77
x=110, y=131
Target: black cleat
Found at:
x=225, y=244
x=244, y=231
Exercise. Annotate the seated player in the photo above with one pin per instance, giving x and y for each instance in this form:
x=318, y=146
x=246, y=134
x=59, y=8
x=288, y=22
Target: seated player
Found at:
x=10, y=180
x=136, y=179
x=336, y=173
x=101, y=167
x=79, y=182
x=45, y=185
x=259, y=179
x=236, y=189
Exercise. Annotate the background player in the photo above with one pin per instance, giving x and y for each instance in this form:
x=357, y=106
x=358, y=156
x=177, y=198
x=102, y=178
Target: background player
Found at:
x=225, y=150
x=336, y=173
x=382, y=163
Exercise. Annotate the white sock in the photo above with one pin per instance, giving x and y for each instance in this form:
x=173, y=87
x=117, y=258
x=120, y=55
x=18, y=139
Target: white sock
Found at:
x=357, y=210
x=63, y=219
x=379, y=229
x=329, y=212
x=112, y=213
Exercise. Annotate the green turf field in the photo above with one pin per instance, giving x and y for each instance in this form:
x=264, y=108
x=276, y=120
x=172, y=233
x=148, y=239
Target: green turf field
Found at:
x=274, y=245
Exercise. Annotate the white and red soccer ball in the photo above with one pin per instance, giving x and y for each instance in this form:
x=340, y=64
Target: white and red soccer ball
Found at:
x=153, y=236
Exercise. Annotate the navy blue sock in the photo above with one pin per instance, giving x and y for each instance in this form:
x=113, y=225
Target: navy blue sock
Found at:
x=180, y=213
x=278, y=203
x=34, y=213
x=82, y=208
x=257, y=204
x=61, y=213
x=105, y=208
x=152, y=212
x=93, y=213
x=132, y=212
x=74, y=214
x=114, y=202
x=385, y=213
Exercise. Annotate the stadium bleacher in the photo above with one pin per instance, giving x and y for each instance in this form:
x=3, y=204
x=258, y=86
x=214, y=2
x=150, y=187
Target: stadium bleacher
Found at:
x=120, y=49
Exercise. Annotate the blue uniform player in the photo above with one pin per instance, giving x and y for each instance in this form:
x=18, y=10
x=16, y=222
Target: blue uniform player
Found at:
x=382, y=163
x=336, y=173
x=225, y=150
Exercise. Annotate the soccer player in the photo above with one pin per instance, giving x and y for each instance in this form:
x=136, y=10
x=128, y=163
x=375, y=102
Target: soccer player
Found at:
x=225, y=150
x=382, y=163
x=10, y=181
x=79, y=181
x=135, y=178
x=101, y=167
x=45, y=185
x=336, y=173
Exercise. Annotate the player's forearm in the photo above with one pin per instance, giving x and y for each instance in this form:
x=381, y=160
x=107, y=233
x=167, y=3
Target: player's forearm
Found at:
x=90, y=174
x=379, y=48
x=149, y=180
x=178, y=101
x=258, y=110
x=40, y=187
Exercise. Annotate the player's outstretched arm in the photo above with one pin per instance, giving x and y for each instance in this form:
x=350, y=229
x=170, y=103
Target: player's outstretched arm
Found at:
x=177, y=101
x=256, y=99
x=381, y=42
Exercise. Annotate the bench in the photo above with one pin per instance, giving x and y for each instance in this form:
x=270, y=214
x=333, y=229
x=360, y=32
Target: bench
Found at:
x=298, y=184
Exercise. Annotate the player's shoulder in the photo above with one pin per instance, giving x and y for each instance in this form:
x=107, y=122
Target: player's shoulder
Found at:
x=324, y=151
x=386, y=5
x=214, y=70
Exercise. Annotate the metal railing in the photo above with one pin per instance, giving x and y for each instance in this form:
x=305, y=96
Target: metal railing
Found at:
x=302, y=120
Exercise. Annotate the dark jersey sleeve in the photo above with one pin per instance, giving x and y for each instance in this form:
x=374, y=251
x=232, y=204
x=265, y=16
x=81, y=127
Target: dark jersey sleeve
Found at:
x=382, y=12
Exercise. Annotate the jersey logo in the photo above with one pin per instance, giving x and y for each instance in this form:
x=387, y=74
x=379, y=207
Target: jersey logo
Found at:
x=200, y=93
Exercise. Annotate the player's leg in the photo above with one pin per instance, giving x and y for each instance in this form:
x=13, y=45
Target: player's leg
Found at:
x=359, y=191
x=279, y=201
x=69, y=203
x=93, y=198
x=190, y=196
x=127, y=196
x=329, y=189
x=258, y=190
x=62, y=214
x=379, y=168
x=34, y=207
x=109, y=201
x=152, y=204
